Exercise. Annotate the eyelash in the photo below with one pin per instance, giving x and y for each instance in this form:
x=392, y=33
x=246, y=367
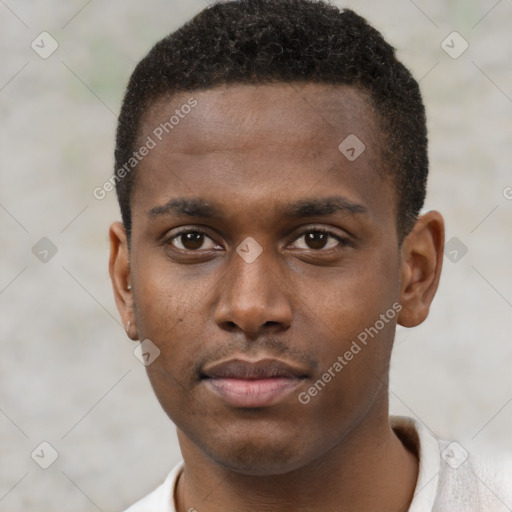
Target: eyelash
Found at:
x=342, y=240
x=168, y=240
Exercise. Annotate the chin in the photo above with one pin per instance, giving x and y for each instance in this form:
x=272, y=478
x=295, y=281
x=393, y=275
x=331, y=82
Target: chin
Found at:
x=257, y=465
x=257, y=455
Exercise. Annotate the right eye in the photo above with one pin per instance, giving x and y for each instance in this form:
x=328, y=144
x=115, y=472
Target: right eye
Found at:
x=192, y=240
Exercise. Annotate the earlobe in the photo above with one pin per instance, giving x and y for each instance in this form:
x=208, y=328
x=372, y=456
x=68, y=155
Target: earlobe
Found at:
x=422, y=259
x=120, y=276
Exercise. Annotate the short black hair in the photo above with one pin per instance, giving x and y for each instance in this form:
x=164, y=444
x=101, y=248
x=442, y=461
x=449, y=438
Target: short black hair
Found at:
x=285, y=41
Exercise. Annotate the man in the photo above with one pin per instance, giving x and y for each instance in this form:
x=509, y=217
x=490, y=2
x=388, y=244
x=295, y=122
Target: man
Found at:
x=271, y=166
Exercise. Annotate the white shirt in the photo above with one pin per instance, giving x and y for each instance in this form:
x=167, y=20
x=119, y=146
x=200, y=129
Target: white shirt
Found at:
x=449, y=480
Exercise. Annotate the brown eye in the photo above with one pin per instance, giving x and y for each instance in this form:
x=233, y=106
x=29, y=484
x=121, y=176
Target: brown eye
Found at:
x=317, y=240
x=192, y=241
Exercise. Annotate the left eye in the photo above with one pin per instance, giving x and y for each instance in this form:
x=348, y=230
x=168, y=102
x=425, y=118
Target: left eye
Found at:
x=317, y=240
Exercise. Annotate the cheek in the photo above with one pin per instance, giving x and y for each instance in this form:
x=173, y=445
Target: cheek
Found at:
x=173, y=321
x=355, y=316
x=353, y=352
x=170, y=313
x=354, y=336
x=347, y=301
x=165, y=298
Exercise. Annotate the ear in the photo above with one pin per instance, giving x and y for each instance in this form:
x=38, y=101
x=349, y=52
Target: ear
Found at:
x=422, y=259
x=119, y=269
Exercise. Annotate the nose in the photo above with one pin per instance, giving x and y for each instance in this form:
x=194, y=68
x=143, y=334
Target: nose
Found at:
x=253, y=297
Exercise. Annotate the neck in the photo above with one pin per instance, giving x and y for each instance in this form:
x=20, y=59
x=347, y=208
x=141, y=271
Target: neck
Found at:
x=370, y=469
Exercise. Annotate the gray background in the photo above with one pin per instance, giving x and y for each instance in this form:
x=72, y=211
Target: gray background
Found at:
x=68, y=375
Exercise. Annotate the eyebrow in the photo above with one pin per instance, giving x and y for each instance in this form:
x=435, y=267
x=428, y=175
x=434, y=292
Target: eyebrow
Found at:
x=312, y=207
x=185, y=207
x=317, y=207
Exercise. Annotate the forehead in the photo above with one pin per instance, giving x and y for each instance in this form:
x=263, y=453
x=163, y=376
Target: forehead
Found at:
x=267, y=141
x=307, y=113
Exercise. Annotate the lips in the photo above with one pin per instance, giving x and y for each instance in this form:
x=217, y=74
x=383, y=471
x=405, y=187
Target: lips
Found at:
x=247, y=384
x=261, y=369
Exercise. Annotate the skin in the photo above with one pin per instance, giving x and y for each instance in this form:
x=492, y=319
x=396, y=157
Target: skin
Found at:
x=251, y=151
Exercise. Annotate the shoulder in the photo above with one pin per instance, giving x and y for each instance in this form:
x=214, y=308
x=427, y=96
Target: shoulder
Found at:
x=471, y=481
x=450, y=477
x=162, y=498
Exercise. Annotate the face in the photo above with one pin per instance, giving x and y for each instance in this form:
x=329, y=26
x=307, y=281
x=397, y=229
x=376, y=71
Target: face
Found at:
x=265, y=266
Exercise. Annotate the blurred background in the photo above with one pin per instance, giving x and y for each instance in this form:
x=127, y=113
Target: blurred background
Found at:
x=68, y=375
